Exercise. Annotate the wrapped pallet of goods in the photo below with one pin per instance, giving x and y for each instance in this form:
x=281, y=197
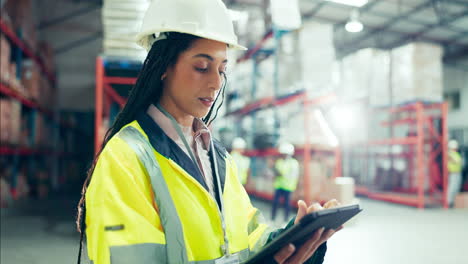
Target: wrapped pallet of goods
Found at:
x=122, y=20
x=317, y=57
x=417, y=73
x=264, y=81
x=289, y=77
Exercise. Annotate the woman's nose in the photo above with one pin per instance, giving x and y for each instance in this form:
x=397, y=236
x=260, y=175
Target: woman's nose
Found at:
x=216, y=80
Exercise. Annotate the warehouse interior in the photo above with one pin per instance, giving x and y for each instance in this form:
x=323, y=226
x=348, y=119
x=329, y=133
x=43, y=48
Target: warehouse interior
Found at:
x=372, y=94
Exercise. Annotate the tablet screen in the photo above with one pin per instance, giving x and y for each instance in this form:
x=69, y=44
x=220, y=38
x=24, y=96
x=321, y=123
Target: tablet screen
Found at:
x=300, y=232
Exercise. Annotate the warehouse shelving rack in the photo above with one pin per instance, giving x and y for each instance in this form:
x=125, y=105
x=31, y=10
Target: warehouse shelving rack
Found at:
x=306, y=150
x=277, y=100
x=114, y=78
x=429, y=135
x=21, y=50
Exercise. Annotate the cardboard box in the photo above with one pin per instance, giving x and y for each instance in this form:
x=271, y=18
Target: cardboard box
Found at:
x=341, y=189
x=15, y=122
x=5, y=120
x=30, y=79
x=5, y=54
x=25, y=132
x=47, y=55
x=23, y=19
x=461, y=200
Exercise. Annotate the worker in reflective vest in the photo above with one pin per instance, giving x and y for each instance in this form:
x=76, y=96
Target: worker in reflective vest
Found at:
x=455, y=164
x=286, y=177
x=242, y=162
x=162, y=190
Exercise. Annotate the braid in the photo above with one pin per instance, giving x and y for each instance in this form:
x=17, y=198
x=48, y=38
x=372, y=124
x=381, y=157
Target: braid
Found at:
x=207, y=119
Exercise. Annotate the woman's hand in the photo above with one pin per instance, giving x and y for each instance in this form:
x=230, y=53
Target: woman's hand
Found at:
x=289, y=254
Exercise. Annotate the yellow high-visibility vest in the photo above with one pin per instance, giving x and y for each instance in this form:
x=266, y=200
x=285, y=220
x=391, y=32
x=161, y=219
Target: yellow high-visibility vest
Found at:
x=289, y=174
x=125, y=224
x=454, y=162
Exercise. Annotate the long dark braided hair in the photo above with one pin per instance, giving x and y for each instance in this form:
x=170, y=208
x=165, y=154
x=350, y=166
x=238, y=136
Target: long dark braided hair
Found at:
x=147, y=90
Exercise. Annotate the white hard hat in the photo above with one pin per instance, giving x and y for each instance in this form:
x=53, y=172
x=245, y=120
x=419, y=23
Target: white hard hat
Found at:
x=238, y=143
x=286, y=149
x=204, y=18
x=453, y=144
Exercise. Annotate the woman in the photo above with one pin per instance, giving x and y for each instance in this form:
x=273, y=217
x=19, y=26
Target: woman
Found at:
x=162, y=190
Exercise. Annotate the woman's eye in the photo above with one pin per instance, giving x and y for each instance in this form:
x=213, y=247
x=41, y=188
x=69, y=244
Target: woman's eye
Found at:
x=201, y=69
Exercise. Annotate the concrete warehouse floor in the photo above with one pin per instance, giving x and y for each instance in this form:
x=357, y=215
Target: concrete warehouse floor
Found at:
x=43, y=232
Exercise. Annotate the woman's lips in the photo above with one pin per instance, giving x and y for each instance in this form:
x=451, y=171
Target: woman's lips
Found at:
x=206, y=101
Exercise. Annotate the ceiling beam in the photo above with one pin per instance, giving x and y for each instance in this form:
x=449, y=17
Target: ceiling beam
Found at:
x=426, y=29
x=413, y=21
x=315, y=10
x=459, y=36
x=354, y=44
x=367, y=10
x=425, y=38
x=63, y=18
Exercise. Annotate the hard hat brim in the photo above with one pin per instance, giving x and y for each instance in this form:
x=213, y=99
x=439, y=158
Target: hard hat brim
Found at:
x=142, y=39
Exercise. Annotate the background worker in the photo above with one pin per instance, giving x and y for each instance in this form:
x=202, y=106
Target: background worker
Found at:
x=286, y=170
x=455, y=165
x=242, y=162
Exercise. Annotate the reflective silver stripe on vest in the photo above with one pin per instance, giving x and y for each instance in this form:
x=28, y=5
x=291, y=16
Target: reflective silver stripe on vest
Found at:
x=149, y=253
x=176, y=250
x=138, y=253
x=254, y=222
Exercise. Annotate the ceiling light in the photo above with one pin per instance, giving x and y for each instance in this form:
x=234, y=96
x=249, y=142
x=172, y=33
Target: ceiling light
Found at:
x=357, y=3
x=354, y=25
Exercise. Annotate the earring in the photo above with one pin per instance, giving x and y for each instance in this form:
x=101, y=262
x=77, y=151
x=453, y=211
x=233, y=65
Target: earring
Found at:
x=163, y=77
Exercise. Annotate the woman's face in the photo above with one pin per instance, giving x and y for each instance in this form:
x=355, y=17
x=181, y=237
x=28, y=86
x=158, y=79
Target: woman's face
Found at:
x=192, y=84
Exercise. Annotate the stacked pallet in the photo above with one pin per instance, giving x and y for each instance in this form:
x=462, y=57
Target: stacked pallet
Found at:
x=122, y=21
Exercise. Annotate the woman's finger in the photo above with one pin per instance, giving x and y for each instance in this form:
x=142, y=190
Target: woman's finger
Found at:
x=314, y=208
x=308, y=248
x=301, y=211
x=284, y=253
x=332, y=203
x=325, y=236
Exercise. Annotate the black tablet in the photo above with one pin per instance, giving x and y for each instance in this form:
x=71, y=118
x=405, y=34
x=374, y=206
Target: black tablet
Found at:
x=301, y=232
